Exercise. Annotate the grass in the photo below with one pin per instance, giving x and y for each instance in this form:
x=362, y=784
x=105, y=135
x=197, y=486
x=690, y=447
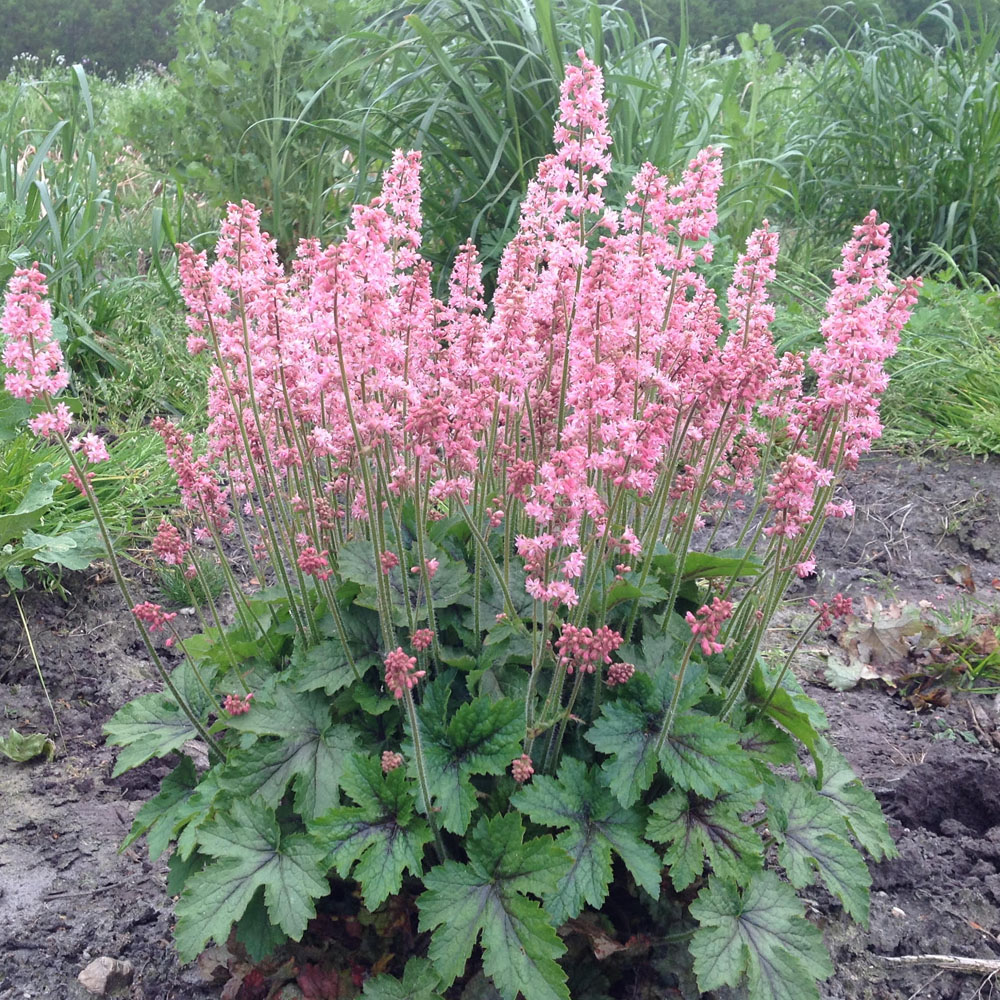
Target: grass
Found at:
x=944, y=387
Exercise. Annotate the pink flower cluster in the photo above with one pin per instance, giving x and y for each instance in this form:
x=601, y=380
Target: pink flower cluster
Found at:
x=422, y=639
x=829, y=611
x=707, y=624
x=233, y=704
x=169, y=546
x=522, y=768
x=153, y=615
x=401, y=672
x=605, y=365
x=620, y=673
x=30, y=351
x=390, y=761
x=583, y=649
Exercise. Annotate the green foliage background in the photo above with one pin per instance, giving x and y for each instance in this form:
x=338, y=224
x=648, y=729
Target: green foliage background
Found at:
x=116, y=35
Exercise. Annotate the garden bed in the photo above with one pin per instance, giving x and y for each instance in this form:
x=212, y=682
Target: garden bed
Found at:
x=924, y=530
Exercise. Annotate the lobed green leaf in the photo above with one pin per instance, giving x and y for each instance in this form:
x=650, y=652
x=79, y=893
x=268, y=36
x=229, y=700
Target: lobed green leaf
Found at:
x=758, y=934
x=595, y=824
x=380, y=837
x=486, y=898
x=811, y=834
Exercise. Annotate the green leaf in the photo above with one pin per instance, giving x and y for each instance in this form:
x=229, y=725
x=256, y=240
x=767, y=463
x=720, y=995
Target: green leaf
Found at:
x=73, y=550
x=13, y=413
x=792, y=710
x=153, y=725
x=252, y=853
x=420, y=982
x=324, y=666
x=699, y=753
x=25, y=748
x=487, y=897
x=200, y=807
x=706, y=565
x=310, y=752
x=855, y=803
x=356, y=562
x=662, y=650
x=704, y=755
x=627, y=731
x=696, y=829
x=255, y=931
x=595, y=826
x=766, y=744
x=158, y=818
x=482, y=737
x=381, y=837
x=811, y=834
x=492, y=603
x=29, y=512
x=760, y=934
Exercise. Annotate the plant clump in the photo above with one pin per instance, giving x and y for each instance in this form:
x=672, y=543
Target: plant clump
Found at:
x=484, y=676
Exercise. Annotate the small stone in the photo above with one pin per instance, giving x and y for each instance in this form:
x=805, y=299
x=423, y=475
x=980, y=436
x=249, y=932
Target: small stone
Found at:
x=106, y=975
x=898, y=913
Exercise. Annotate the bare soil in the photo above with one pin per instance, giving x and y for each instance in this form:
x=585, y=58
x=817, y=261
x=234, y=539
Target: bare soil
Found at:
x=68, y=896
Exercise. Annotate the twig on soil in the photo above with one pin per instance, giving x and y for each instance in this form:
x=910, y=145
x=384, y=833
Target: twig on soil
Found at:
x=920, y=989
x=52, y=896
x=948, y=963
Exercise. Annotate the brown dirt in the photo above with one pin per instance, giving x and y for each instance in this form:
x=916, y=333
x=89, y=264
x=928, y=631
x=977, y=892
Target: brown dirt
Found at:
x=67, y=896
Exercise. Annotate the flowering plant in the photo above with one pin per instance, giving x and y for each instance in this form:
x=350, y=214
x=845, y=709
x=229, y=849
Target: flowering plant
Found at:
x=480, y=618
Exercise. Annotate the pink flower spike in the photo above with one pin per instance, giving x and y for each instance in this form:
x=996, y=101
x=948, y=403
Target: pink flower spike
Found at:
x=33, y=356
x=93, y=448
x=55, y=421
x=74, y=480
x=169, y=546
x=314, y=563
x=389, y=561
x=707, y=624
x=390, y=761
x=401, y=672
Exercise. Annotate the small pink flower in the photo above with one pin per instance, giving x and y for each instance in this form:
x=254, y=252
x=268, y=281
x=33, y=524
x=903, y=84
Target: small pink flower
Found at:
x=708, y=623
x=314, y=563
x=401, y=672
x=74, y=480
x=583, y=649
x=619, y=673
x=153, y=615
x=422, y=639
x=805, y=568
x=431, y=566
x=93, y=448
x=235, y=705
x=389, y=561
x=169, y=546
x=55, y=421
x=390, y=761
x=30, y=351
x=839, y=607
x=522, y=768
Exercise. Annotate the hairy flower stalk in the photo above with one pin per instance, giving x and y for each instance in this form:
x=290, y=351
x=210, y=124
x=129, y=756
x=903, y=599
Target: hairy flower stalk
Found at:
x=551, y=456
x=37, y=373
